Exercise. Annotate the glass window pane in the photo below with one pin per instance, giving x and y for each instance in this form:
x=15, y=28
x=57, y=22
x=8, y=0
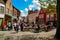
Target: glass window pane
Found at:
x=1, y=9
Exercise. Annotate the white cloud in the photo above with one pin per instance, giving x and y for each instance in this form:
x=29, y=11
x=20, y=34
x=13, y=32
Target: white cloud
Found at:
x=35, y=1
x=35, y=4
x=31, y=6
x=25, y=0
x=26, y=9
x=38, y=8
x=23, y=13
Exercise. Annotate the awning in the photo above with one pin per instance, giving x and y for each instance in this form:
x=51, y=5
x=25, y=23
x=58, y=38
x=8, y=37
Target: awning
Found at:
x=14, y=17
x=11, y=16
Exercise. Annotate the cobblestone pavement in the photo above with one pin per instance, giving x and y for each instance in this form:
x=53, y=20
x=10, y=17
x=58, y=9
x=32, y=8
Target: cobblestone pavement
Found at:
x=11, y=35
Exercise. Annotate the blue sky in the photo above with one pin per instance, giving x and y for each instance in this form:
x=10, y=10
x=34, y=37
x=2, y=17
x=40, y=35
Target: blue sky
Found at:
x=25, y=5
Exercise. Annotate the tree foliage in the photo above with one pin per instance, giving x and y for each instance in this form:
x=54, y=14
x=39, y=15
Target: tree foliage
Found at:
x=49, y=5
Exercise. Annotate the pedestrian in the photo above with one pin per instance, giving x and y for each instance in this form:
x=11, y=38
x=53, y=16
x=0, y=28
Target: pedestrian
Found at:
x=37, y=28
x=22, y=26
x=44, y=27
x=17, y=27
x=9, y=25
x=4, y=25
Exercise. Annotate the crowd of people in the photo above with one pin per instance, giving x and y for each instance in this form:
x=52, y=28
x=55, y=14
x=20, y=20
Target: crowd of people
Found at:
x=20, y=25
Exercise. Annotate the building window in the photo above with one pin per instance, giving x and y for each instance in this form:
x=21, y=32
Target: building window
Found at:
x=47, y=18
x=52, y=17
x=7, y=11
x=1, y=9
x=41, y=16
x=41, y=21
x=10, y=11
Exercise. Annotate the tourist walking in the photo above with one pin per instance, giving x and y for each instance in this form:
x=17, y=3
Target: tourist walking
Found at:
x=9, y=25
x=4, y=25
x=22, y=26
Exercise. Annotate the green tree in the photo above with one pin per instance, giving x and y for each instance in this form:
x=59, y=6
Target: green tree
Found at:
x=49, y=5
x=57, y=35
x=51, y=9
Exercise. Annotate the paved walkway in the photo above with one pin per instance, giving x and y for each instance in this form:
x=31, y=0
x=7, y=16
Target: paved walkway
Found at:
x=40, y=34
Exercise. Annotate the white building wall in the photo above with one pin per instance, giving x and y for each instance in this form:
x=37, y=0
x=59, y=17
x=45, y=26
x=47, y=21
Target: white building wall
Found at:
x=2, y=14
